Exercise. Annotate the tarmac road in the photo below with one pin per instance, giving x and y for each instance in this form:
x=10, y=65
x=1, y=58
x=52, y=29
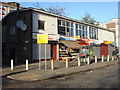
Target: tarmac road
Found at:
x=106, y=77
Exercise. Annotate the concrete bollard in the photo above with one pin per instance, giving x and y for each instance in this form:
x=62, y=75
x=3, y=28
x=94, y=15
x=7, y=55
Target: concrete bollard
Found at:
x=52, y=65
x=84, y=59
x=108, y=59
x=78, y=61
x=26, y=64
x=102, y=58
x=39, y=64
x=11, y=64
x=95, y=59
x=88, y=61
x=66, y=62
x=112, y=58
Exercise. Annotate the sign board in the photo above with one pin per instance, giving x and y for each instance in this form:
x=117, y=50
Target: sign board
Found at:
x=77, y=37
x=53, y=37
x=42, y=38
x=107, y=42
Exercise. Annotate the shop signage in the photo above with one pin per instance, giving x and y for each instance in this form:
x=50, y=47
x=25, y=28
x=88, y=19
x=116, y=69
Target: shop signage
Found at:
x=107, y=42
x=50, y=36
x=42, y=38
x=53, y=37
x=67, y=38
x=77, y=37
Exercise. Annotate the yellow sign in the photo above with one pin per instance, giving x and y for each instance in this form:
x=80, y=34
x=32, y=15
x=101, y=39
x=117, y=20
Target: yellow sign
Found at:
x=107, y=42
x=42, y=38
x=77, y=37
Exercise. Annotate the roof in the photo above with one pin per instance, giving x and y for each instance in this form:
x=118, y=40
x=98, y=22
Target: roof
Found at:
x=71, y=44
x=61, y=17
x=10, y=4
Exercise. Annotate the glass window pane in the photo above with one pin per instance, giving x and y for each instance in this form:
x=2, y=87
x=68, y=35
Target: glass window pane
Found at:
x=59, y=22
x=79, y=26
x=71, y=32
x=77, y=32
x=71, y=24
x=68, y=24
x=76, y=26
x=63, y=23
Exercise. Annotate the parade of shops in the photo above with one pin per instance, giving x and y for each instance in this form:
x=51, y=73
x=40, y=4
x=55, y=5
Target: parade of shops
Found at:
x=67, y=38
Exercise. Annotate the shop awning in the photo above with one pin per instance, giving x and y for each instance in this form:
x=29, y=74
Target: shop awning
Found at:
x=84, y=41
x=71, y=44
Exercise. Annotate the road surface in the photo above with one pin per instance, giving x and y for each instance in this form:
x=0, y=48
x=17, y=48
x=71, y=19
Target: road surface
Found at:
x=106, y=77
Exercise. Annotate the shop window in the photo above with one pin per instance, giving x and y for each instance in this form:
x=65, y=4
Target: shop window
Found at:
x=68, y=31
x=63, y=23
x=41, y=24
x=71, y=33
x=71, y=24
x=77, y=32
x=59, y=22
x=80, y=33
x=68, y=24
x=79, y=26
x=76, y=26
x=61, y=30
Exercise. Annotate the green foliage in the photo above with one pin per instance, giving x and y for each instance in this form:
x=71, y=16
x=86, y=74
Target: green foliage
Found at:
x=88, y=19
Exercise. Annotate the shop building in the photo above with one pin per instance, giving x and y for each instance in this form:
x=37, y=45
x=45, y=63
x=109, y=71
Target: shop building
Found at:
x=20, y=35
x=114, y=25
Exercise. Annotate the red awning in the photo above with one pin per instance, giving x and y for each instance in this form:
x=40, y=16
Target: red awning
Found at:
x=83, y=41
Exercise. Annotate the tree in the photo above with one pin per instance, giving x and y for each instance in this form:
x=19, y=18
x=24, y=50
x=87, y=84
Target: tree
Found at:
x=88, y=19
x=38, y=6
x=56, y=10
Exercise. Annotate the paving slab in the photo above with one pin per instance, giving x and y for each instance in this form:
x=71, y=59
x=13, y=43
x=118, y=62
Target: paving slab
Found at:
x=34, y=74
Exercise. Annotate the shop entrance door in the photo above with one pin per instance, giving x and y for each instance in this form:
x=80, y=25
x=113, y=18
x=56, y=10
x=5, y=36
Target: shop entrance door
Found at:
x=54, y=52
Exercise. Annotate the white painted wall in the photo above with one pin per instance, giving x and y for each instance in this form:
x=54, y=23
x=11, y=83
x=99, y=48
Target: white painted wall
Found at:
x=50, y=23
x=104, y=35
x=118, y=34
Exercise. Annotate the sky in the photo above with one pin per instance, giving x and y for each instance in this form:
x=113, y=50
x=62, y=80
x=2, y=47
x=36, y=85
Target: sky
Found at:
x=101, y=11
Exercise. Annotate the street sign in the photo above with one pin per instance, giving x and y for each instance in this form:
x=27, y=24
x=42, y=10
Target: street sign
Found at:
x=42, y=38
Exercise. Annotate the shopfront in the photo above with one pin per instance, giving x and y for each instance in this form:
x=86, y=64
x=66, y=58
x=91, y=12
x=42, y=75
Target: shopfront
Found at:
x=68, y=49
x=51, y=48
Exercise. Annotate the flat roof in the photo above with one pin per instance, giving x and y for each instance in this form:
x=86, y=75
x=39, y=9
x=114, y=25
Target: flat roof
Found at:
x=59, y=17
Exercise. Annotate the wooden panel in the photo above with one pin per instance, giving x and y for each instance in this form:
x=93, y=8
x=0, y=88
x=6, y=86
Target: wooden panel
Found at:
x=103, y=50
x=54, y=52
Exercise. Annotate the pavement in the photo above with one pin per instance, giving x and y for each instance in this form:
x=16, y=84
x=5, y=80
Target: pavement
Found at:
x=34, y=74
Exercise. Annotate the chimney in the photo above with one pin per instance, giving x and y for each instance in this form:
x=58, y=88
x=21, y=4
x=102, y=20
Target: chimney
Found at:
x=18, y=5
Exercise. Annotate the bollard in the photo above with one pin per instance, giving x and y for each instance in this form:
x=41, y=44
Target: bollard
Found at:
x=45, y=64
x=78, y=61
x=108, y=58
x=102, y=58
x=26, y=64
x=112, y=58
x=84, y=59
x=39, y=64
x=11, y=64
x=66, y=63
x=95, y=59
x=52, y=65
x=88, y=60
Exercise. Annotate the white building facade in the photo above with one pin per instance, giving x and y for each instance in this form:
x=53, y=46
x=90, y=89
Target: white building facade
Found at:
x=114, y=25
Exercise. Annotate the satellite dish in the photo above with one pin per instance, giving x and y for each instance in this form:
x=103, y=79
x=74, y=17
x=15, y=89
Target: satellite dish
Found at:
x=20, y=24
x=24, y=27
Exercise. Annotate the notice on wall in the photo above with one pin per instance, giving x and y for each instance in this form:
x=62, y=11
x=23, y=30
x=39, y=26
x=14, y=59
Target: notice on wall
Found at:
x=42, y=38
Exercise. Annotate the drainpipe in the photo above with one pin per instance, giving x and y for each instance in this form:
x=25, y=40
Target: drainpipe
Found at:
x=17, y=30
